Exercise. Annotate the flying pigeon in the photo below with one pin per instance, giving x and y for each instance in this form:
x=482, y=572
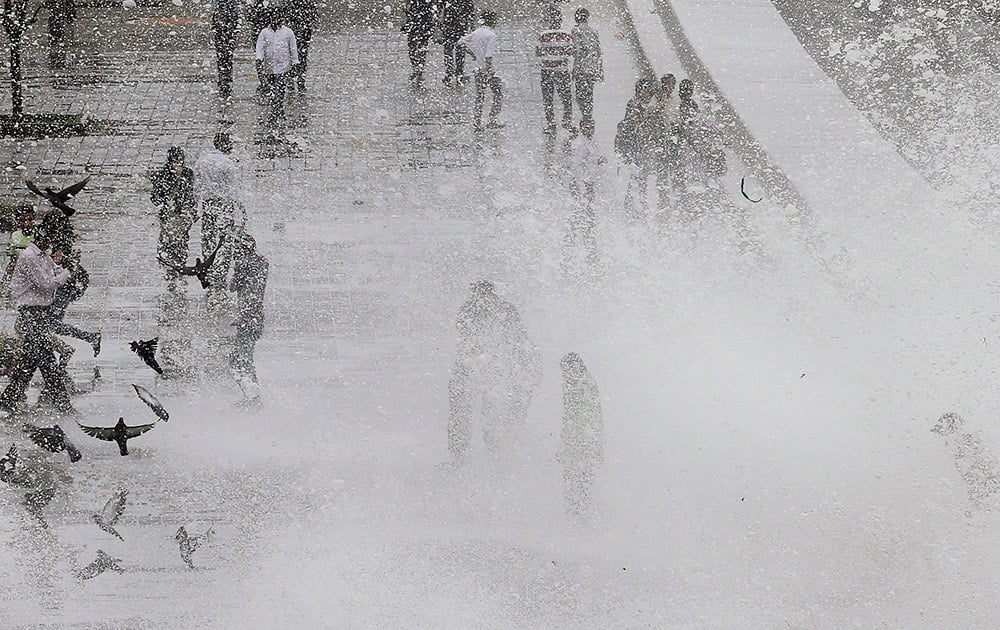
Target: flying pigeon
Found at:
x=8, y=463
x=99, y=566
x=59, y=199
x=189, y=544
x=108, y=517
x=147, y=352
x=120, y=433
x=52, y=439
x=200, y=268
x=151, y=400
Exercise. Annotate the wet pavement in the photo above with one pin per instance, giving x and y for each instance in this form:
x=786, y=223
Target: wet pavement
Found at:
x=374, y=223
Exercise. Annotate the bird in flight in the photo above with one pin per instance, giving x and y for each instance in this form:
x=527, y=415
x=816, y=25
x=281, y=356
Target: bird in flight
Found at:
x=52, y=439
x=108, y=517
x=147, y=397
x=188, y=543
x=120, y=433
x=147, y=352
x=58, y=198
x=200, y=268
x=99, y=566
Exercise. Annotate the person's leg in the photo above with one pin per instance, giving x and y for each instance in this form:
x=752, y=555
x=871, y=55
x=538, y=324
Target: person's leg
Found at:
x=459, y=61
x=497, y=86
x=300, y=70
x=585, y=96
x=548, y=90
x=450, y=60
x=27, y=362
x=562, y=84
x=459, y=412
x=57, y=311
x=481, y=84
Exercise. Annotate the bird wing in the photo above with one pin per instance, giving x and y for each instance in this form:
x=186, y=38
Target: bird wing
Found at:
x=71, y=191
x=33, y=188
x=115, y=506
x=204, y=265
x=181, y=269
x=150, y=399
x=151, y=344
x=101, y=433
x=136, y=431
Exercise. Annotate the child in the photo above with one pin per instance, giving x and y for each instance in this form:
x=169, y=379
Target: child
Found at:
x=582, y=433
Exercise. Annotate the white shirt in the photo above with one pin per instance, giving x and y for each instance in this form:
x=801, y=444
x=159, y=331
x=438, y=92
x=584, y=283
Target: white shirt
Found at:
x=483, y=44
x=277, y=49
x=36, y=278
x=216, y=177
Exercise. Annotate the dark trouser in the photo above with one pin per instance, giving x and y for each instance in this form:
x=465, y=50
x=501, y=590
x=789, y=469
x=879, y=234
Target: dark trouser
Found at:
x=493, y=82
x=416, y=41
x=303, y=40
x=225, y=45
x=57, y=311
x=557, y=81
x=216, y=222
x=37, y=353
x=274, y=92
x=241, y=358
x=585, y=95
x=454, y=59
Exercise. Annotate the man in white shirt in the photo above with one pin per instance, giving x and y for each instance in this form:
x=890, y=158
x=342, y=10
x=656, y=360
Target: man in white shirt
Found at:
x=277, y=53
x=217, y=186
x=33, y=287
x=482, y=42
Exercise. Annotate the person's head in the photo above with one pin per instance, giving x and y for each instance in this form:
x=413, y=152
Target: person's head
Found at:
x=587, y=127
x=489, y=18
x=175, y=156
x=686, y=89
x=25, y=216
x=581, y=16
x=223, y=142
x=554, y=17
x=482, y=288
x=572, y=367
x=948, y=423
x=275, y=18
x=643, y=87
x=667, y=84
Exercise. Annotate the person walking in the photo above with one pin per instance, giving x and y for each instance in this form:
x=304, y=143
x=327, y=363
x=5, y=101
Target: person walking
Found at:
x=496, y=364
x=277, y=54
x=482, y=42
x=173, y=194
x=217, y=186
x=418, y=24
x=457, y=18
x=33, y=285
x=555, y=52
x=249, y=281
x=225, y=22
x=582, y=434
x=588, y=62
x=301, y=19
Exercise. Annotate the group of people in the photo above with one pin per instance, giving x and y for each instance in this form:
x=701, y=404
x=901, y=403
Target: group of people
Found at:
x=569, y=61
x=497, y=370
x=44, y=276
x=282, y=37
x=665, y=135
x=213, y=185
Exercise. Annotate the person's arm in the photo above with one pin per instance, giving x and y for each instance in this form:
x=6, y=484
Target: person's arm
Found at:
x=293, y=48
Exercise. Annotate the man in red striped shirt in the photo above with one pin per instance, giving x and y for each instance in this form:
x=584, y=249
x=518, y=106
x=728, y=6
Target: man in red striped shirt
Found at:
x=555, y=54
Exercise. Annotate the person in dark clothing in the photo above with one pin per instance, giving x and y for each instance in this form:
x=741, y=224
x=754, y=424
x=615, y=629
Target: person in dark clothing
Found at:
x=173, y=194
x=632, y=143
x=249, y=281
x=225, y=22
x=457, y=19
x=301, y=16
x=418, y=25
